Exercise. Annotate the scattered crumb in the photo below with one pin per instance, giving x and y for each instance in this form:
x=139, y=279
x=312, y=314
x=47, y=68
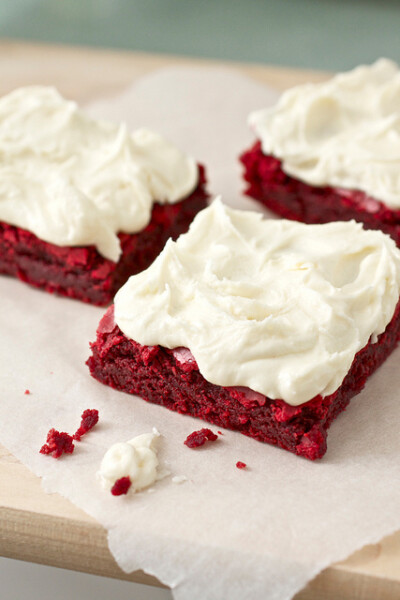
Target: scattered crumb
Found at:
x=57, y=444
x=200, y=437
x=26, y=392
x=89, y=419
x=220, y=432
x=179, y=479
x=241, y=465
x=121, y=486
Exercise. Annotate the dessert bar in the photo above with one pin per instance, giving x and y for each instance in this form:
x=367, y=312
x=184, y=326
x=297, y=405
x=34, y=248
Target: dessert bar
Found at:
x=267, y=327
x=85, y=203
x=82, y=272
x=331, y=151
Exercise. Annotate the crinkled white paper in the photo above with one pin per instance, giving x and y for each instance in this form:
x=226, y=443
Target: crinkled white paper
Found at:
x=260, y=532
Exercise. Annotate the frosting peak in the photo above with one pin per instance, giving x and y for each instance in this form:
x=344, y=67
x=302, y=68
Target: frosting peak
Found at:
x=344, y=132
x=276, y=306
x=73, y=180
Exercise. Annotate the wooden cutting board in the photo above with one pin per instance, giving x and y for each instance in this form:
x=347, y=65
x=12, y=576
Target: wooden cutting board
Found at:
x=48, y=529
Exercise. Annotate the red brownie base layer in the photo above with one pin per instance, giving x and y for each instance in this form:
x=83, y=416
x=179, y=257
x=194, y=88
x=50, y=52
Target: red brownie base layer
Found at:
x=292, y=199
x=83, y=273
x=172, y=379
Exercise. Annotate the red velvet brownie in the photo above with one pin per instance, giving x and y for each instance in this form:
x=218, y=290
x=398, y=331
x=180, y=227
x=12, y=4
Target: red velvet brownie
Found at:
x=82, y=272
x=329, y=152
x=308, y=309
x=291, y=198
x=85, y=203
x=159, y=375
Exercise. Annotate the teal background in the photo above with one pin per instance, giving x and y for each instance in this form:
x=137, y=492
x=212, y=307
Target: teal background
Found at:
x=321, y=34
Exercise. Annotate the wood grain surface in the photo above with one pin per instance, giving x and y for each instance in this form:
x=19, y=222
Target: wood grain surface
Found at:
x=48, y=529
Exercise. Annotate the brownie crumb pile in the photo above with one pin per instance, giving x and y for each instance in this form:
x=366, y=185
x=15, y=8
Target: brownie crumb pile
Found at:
x=89, y=419
x=199, y=438
x=58, y=443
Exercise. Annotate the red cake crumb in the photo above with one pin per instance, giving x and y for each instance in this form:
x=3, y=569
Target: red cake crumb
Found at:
x=26, y=392
x=200, y=437
x=220, y=433
x=89, y=419
x=241, y=465
x=121, y=486
x=58, y=443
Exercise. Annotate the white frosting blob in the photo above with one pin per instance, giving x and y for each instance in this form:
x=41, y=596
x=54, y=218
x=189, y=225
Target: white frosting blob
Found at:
x=342, y=133
x=136, y=459
x=73, y=180
x=273, y=305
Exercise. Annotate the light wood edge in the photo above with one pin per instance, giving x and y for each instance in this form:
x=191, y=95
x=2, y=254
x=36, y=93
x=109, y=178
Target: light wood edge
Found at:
x=63, y=543
x=67, y=544
x=68, y=538
x=333, y=584
x=107, y=72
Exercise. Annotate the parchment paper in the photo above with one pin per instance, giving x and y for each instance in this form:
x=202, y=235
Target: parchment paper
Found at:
x=262, y=532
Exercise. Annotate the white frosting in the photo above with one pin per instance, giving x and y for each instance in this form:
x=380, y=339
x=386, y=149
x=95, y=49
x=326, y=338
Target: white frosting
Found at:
x=273, y=305
x=136, y=459
x=342, y=133
x=73, y=180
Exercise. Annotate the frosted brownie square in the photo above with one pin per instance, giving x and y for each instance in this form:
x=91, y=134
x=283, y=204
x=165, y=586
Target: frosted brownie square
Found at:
x=85, y=203
x=266, y=327
x=331, y=151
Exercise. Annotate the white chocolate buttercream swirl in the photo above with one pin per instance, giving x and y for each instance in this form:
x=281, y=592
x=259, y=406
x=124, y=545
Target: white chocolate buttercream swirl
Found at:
x=273, y=305
x=343, y=133
x=73, y=180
